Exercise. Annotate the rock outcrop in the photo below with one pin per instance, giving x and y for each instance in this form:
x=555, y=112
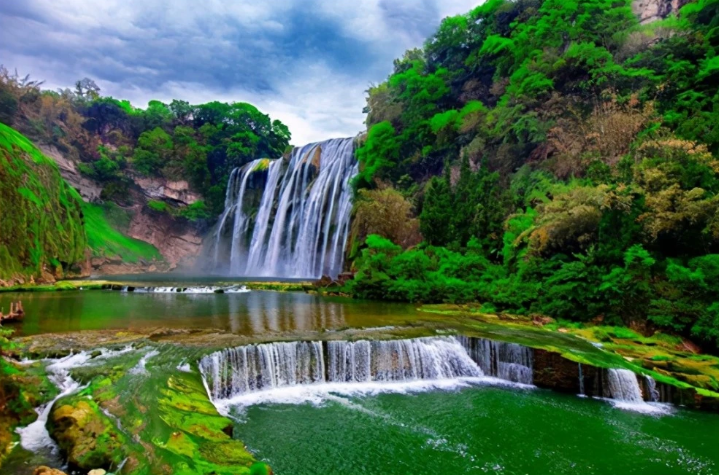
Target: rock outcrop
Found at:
x=649, y=11
x=88, y=189
x=178, y=241
x=178, y=192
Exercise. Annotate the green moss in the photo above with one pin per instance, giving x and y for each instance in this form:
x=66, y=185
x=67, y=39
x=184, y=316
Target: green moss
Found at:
x=159, y=206
x=41, y=222
x=262, y=165
x=105, y=240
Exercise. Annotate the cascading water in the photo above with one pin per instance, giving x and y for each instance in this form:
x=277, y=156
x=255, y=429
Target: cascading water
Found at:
x=299, y=226
x=237, y=371
x=245, y=369
x=507, y=361
x=651, y=389
x=624, y=386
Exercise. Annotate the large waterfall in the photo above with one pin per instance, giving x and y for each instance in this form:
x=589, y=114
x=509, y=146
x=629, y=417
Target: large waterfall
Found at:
x=288, y=218
x=237, y=371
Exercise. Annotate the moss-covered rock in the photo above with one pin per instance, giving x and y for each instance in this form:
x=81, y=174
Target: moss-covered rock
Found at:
x=87, y=437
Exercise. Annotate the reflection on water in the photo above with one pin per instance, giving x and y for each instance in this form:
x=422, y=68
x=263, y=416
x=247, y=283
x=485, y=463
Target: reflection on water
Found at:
x=253, y=313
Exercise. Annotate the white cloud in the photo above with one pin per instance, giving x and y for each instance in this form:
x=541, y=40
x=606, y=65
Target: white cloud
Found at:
x=305, y=62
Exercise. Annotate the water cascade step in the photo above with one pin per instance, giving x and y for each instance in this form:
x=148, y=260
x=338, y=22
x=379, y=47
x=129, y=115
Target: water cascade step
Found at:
x=288, y=218
x=236, y=371
x=624, y=386
x=508, y=361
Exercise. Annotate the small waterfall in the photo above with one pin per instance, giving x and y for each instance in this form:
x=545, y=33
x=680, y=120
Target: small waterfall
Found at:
x=301, y=225
x=399, y=360
x=651, y=389
x=246, y=369
x=508, y=361
x=236, y=371
x=581, y=380
x=624, y=386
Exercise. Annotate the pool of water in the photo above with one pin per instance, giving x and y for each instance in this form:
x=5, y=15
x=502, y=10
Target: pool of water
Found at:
x=477, y=430
x=254, y=313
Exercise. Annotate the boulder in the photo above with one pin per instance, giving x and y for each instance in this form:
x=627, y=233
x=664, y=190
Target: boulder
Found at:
x=86, y=436
x=43, y=470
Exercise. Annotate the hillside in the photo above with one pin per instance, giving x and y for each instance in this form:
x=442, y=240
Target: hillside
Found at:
x=550, y=157
x=42, y=231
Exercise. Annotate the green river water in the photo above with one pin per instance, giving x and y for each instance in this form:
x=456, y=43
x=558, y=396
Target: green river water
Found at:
x=466, y=429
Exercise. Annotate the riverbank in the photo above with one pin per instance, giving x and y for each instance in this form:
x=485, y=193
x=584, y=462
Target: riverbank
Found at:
x=68, y=285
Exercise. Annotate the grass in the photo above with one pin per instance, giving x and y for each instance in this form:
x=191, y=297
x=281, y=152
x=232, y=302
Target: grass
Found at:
x=105, y=240
x=159, y=206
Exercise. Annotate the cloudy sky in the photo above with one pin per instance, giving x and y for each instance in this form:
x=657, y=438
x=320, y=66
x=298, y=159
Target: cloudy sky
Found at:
x=305, y=62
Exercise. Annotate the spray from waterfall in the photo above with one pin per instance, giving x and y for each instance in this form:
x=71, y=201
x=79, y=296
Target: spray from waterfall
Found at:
x=299, y=226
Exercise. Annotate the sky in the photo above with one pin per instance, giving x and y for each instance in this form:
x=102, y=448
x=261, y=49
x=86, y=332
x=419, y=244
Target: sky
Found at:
x=305, y=62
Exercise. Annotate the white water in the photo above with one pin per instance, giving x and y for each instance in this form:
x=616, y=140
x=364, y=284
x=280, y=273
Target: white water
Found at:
x=188, y=290
x=35, y=436
x=507, y=361
x=627, y=394
x=310, y=372
x=141, y=366
x=301, y=226
x=652, y=391
x=248, y=369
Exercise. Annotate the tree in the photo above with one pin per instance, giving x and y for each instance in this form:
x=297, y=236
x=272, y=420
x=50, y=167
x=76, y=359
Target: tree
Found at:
x=87, y=89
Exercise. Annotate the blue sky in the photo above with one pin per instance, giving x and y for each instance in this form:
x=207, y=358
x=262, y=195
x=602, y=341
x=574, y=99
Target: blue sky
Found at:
x=305, y=62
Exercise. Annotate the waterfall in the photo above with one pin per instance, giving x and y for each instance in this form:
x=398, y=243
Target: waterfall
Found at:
x=245, y=369
x=651, y=389
x=581, y=379
x=300, y=226
x=237, y=371
x=624, y=386
x=399, y=360
x=508, y=361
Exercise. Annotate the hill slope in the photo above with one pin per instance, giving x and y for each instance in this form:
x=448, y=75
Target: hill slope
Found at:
x=41, y=220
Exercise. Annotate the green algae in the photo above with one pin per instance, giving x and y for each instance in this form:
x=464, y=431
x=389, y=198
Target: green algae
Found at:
x=164, y=416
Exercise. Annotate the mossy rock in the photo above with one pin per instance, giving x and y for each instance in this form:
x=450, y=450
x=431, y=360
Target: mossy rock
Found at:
x=230, y=452
x=85, y=435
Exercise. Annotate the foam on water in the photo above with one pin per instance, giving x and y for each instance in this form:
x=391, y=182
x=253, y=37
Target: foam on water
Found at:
x=210, y=289
x=141, y=367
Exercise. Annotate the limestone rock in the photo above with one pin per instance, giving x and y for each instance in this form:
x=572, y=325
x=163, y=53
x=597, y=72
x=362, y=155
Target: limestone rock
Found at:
x=97, y=471
x=43, y=470
x=163, y=189
x=88, y=189
x=649, y=11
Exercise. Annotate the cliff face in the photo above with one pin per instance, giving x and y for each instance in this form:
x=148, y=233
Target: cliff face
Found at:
x=177, y=240
x=649, y=11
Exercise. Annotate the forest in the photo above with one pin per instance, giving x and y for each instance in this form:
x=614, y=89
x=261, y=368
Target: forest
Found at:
x=549, y=157
x=112, y=140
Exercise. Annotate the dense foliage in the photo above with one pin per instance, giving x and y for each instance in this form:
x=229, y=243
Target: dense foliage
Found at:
x=112, y=140
x=561, y=159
